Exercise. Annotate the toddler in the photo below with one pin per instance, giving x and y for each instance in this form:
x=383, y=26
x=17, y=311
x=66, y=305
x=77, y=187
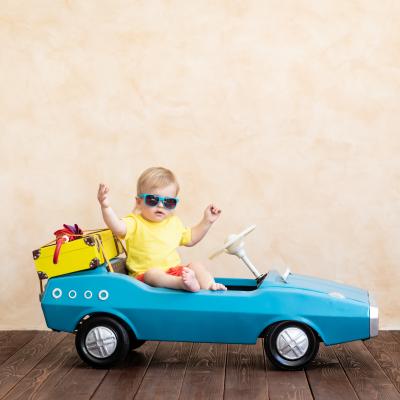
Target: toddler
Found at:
x=152, y=233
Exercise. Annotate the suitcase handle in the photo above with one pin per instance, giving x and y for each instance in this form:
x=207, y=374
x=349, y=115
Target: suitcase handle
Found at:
x=59, y=242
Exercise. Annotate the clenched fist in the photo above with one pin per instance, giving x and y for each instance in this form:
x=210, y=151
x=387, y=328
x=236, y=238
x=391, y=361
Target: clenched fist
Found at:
x=211, y=213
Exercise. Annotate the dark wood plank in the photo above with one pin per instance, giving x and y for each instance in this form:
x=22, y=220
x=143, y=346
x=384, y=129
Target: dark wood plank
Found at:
x=18, y=365
x=44, y=365
x=245, y=375
x=287, y=385
x=205, y=374
x=12, y=341
x=163, y=379
x=122, y=382
x=386, y=351
x=364, y=373
x=79, y=383
x=327, y=379
x=395, y=334
x=47, y=373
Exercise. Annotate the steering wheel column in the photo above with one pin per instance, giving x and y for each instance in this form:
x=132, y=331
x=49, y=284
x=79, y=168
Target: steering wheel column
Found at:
x=237, y=249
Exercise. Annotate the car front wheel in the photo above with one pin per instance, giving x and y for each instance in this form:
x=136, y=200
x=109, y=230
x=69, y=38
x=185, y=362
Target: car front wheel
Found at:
x=102, y=342
x=290, y=345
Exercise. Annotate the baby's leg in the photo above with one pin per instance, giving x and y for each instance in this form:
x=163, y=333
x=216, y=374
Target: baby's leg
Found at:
x=204, y=277
x=159, y=278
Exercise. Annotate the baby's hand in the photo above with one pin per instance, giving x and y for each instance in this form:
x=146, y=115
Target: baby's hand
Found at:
x=102, y=195
x=211, y=213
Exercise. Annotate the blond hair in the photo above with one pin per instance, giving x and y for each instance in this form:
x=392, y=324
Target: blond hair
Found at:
x=156, y=177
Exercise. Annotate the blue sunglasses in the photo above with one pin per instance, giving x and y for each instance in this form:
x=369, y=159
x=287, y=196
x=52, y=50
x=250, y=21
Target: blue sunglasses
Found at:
x=152, y=200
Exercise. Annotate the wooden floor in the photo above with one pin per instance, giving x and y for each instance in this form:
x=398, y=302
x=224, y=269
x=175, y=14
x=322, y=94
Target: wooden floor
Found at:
x=44, y=365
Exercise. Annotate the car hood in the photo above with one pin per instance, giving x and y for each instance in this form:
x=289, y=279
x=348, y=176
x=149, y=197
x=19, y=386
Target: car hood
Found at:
x=334, y=289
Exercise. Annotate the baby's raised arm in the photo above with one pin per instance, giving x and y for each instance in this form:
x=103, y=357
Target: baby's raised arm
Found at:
x=117, y=226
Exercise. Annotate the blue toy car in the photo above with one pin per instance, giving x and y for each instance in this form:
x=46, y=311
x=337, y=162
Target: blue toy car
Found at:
x=112, y=313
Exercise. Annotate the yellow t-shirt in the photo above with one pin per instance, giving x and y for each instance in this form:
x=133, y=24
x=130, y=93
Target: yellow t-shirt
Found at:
x=153, y=244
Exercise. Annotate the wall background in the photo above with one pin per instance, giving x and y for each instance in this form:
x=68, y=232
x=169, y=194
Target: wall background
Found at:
x=285, y=113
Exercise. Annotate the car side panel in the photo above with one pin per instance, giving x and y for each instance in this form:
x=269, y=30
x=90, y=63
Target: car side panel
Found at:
x=205, y=316
x=155, y=313
x=335, y=320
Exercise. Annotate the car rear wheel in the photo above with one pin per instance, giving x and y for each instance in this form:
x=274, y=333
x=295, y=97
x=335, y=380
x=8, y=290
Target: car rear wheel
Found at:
x=102, y=342
x=290, y=345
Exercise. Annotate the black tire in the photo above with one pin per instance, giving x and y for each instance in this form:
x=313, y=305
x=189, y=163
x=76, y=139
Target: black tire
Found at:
x=112, y=333
x=290, y=361
x=136, y=343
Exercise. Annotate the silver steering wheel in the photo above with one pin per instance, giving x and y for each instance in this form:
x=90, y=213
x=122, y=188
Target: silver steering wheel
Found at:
x=234, y=245
x=232, y=242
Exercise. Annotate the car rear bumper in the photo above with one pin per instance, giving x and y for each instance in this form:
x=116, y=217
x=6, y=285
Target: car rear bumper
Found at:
x=373, y=316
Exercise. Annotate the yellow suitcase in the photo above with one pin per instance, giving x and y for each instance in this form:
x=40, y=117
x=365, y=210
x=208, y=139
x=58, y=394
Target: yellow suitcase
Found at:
x=88, y=252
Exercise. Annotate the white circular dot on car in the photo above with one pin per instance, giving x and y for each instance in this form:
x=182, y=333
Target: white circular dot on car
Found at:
x=103, y=295
x=72, y=294
x=57, y=293
x=88, y=294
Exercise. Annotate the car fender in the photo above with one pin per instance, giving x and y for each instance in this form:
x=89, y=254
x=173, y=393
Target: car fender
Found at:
x=110, y=313
x=301, y=320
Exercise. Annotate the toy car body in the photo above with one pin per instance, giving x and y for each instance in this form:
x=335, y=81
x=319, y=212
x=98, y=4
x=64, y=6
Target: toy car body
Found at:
x=112, y=313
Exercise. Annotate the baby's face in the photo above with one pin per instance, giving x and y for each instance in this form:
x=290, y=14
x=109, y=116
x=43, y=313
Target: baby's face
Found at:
x=159, y=212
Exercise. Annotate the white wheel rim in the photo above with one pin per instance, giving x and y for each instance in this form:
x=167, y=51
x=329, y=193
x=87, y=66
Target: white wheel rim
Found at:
x=101, y=342
x=292, y=343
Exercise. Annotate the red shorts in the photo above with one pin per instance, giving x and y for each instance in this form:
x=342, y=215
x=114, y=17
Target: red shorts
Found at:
x=175, y=271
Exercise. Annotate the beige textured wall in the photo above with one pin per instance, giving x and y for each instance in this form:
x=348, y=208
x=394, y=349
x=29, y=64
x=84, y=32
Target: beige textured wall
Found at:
x=285, y=113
